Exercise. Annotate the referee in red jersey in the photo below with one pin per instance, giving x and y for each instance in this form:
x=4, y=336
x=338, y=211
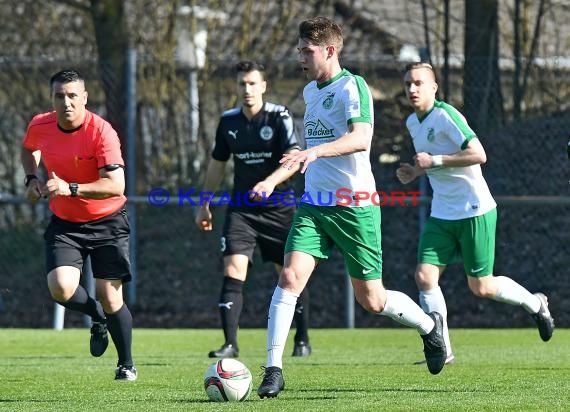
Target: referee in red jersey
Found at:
x=85, y=187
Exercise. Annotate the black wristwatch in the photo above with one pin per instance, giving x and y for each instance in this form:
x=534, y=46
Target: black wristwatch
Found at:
x=73, y=189
x=29, y=178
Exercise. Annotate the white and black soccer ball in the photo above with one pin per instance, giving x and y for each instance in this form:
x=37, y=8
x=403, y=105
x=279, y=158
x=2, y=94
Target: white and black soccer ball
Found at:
x=227, y=380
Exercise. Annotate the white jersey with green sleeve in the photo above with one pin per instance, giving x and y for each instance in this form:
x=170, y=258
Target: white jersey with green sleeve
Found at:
x=330, y=108
x=458, y=192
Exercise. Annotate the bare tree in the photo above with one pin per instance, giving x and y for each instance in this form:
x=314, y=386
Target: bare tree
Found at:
x=483, y=100
x=524, y=49
x=112, y=40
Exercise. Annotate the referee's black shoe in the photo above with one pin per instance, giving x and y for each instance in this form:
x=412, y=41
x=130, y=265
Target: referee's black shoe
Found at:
x=434, y=345
x=99, y=339
x=543, y=318
x=226, y=351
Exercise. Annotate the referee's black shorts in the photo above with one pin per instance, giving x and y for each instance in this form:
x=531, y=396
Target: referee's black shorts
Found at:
x=105, y=240
x=267, y=227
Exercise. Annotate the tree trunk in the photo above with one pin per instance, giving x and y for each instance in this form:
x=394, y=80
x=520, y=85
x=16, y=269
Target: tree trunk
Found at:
x=111, y=37
x=482, y=97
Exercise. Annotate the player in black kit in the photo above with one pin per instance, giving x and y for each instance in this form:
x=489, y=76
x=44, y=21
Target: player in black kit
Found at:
x=260, y=212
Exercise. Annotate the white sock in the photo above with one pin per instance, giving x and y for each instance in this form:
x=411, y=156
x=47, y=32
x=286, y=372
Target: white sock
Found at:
x=509, y=291
x=281, y=312
x=401, y=308
x=432, y=300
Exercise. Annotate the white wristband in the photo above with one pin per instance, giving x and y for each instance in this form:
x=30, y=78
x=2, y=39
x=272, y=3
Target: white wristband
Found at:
x=437, y=161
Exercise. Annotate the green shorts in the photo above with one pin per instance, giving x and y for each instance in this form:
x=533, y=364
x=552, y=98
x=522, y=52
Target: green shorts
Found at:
x=355, y=231
x=470, y=240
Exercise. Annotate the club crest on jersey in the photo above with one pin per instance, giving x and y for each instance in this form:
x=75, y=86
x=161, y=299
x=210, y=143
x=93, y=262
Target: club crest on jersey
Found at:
x=266, y=133
x=431, y=135
x=328, y=102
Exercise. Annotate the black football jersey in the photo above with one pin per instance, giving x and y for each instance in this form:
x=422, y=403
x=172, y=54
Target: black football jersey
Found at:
x=257, y=145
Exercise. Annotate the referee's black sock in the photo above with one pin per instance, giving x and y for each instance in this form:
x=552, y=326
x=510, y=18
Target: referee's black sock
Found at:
x=302, y=317
x=231, y=304
x=82, y=302
x=120, y=326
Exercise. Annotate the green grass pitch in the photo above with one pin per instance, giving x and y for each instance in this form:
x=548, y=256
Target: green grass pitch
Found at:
x=349, y=370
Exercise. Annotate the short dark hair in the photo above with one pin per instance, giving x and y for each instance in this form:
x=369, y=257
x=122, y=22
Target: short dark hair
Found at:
x=321, y=31
x=246, y=66
x=66, y=76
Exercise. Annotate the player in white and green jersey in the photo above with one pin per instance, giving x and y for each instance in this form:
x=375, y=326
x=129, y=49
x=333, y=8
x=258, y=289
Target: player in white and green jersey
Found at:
x=331, y=108
x=463, y=213
x=458, y=192
x=338, y=130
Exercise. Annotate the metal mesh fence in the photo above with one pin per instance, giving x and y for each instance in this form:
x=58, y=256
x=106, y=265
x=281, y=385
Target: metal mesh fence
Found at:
x=179, y=270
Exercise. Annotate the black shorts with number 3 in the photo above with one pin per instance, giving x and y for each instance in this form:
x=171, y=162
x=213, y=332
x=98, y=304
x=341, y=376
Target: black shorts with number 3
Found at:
x=267, y=227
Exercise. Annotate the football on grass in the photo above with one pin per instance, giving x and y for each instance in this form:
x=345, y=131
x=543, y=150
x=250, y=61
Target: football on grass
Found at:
x=227, y=380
